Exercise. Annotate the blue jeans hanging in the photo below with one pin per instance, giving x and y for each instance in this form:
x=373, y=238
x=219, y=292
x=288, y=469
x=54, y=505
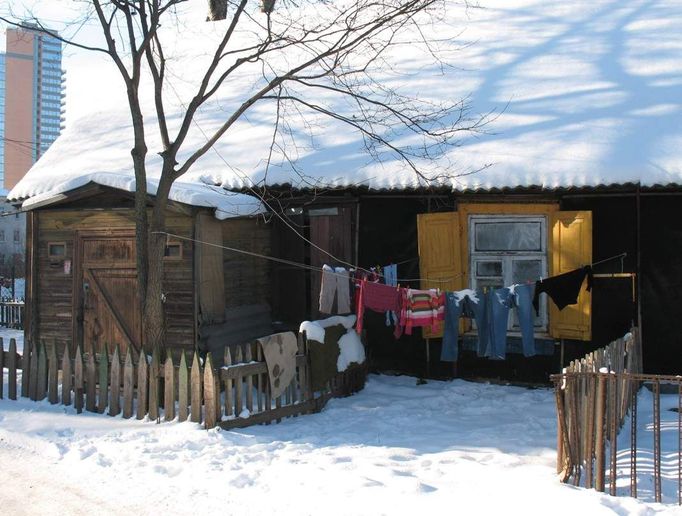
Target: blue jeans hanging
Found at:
x=523, y=301
x=499, y=303
x=463, y=304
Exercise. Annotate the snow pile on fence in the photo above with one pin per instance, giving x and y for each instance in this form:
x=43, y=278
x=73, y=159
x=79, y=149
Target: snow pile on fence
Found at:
x=350, y=346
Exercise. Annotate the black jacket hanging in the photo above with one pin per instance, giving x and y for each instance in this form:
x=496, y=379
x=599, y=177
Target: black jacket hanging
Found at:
x=564, y=288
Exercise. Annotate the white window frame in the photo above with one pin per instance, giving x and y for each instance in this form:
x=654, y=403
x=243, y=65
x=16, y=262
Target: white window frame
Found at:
x=507, y=258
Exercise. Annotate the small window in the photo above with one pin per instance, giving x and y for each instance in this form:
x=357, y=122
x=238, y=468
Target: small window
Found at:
x=17, y=235
x=173, y=251
x=2, y=235
x=508, y=250
x=56, y=250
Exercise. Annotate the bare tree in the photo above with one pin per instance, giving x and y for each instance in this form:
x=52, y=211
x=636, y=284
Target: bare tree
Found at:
x=333, y=53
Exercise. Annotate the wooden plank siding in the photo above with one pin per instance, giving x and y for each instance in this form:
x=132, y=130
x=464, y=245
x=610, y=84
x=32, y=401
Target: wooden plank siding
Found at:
x=247, y=278
x=55, y=287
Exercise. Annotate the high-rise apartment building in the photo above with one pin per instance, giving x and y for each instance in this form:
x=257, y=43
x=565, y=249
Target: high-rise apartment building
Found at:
x=33, y=99
x=2, y=120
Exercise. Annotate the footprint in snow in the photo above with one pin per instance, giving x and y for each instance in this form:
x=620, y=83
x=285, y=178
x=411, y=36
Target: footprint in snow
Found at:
x=426, y=488
x=103, y=461
x=242, y=481
x=403, y=473
x=400, y=458
x=372, y=483
x=87, y=452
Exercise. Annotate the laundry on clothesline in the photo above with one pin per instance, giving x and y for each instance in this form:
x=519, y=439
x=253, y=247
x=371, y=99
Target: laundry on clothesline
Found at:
x=490, y=310
x=420, y=308
x=391, y=279
x=564, y=288
x=335, y=286
x=376, y=297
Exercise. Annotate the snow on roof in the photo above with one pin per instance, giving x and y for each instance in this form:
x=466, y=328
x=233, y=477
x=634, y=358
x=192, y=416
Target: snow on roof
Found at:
x=586, y=93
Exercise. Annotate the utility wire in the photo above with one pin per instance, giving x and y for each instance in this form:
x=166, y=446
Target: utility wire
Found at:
x=290, y=262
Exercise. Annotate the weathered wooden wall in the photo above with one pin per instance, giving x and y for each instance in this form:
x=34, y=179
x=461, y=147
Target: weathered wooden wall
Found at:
x=247, y=278
x=55, y=286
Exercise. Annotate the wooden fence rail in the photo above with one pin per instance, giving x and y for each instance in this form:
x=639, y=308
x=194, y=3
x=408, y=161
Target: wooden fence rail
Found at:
x=12, y=313
x=176, y=386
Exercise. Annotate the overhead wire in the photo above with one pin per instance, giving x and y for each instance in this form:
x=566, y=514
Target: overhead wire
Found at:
x=313, y=268
x=247, y=182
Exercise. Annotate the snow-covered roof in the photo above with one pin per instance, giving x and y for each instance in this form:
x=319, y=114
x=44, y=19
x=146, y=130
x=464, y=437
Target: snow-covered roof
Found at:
x=585, y=93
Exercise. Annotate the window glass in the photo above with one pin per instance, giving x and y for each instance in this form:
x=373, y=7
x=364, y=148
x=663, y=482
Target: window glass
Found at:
x=508, y=236
x=173, y=250
x=487, y=269
x=526, y=270
x=508, y=250
x=57, y=250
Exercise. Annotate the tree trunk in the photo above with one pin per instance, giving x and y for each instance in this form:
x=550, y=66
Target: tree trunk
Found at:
x=217, y=10
x=153, y=314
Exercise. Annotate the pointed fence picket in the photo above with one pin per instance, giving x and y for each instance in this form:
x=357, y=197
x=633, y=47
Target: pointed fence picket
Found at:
x=234, y=396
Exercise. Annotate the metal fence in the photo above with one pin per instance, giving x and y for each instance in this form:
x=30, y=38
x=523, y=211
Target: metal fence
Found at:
x=12, y=313
x=597, y=398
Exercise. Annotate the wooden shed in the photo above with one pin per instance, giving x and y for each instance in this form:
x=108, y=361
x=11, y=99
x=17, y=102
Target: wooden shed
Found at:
x=82, y=277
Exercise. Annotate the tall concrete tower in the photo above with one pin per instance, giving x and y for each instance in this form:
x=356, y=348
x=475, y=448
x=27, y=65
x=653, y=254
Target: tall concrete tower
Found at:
x=33, y=102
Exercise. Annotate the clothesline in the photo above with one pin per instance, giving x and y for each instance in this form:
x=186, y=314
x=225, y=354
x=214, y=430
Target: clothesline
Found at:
x=290, y=262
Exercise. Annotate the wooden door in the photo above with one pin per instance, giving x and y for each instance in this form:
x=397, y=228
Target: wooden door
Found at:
x=332, y=230
x=107, y=289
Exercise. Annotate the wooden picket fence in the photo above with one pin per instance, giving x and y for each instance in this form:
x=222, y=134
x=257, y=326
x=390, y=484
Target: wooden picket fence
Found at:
x=181, y=386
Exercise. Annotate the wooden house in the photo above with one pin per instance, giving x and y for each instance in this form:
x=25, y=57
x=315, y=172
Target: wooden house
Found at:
x=582, y=161
x=82, y=280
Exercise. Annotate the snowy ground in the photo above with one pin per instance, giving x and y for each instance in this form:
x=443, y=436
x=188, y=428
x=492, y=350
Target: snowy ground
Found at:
x=395, y=448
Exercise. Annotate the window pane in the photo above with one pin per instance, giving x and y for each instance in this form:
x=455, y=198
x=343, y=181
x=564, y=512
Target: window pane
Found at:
x=526, y=270
x=488, y=269
x=508, y=236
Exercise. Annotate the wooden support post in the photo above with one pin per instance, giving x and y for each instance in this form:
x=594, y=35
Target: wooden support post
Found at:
x=600, y=413
x=52, y=375
x=103, y=380
x=66, y=376
x=195, y=390
x=248, y=357
x=128, y=385
x=209, y=394
x=26, y=369
x=154, y=369
x=229, y=394
x=183, y=389
x=239, y=382
x=142, y=385
x=169, y=389
x=115, y=403
x=78, y=380
x=41, y=386
x=12, y=370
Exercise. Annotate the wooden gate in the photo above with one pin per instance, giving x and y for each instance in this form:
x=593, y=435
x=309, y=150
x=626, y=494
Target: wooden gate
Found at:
x=107, y=302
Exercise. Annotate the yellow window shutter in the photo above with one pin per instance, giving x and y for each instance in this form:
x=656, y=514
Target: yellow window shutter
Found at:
x=571, y=248
x=439, y=255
